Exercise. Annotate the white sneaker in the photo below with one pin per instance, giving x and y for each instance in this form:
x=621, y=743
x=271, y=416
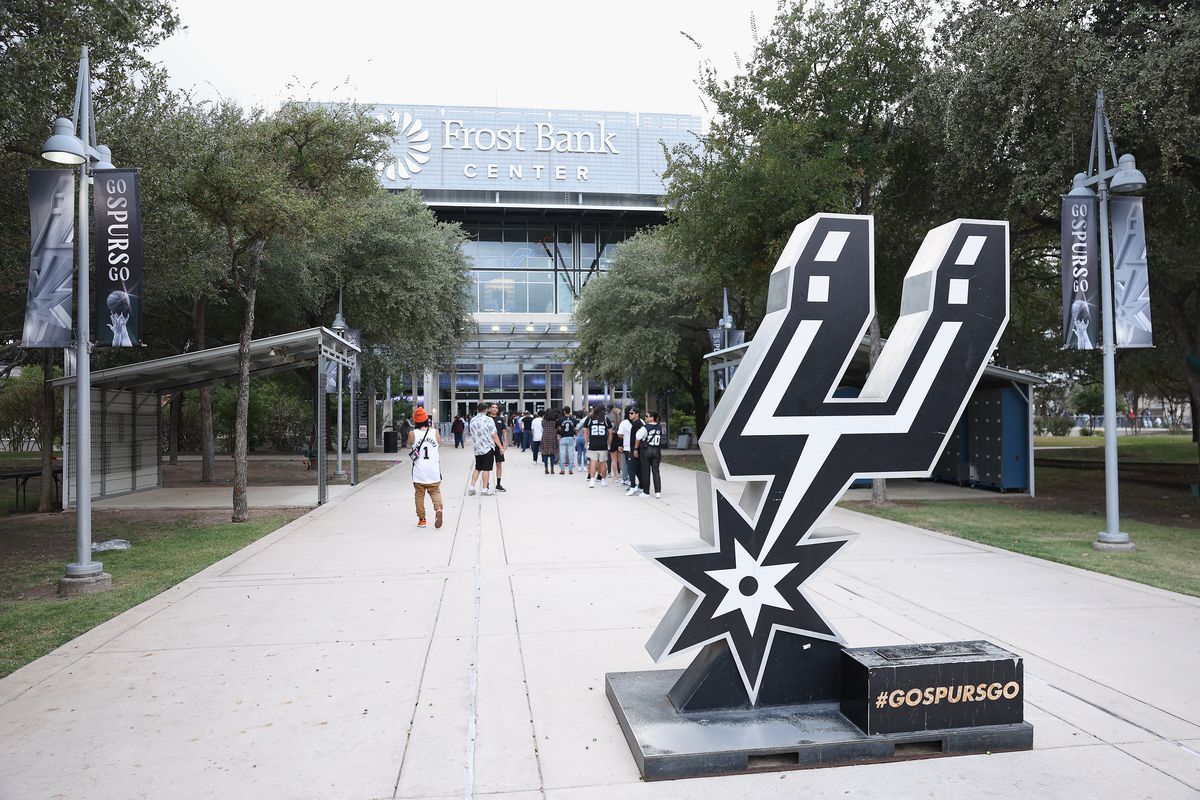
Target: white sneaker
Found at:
x=471, y=492
x=658, y=495
x=591, y=483
x=644, y=494
x=488, y=492
x=633, y=492
x=603, y=482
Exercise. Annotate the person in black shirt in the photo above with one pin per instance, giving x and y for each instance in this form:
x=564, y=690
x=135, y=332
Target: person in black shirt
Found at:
x=599, y=440
x=502, y=433
x=649, y=454
x=566, y=443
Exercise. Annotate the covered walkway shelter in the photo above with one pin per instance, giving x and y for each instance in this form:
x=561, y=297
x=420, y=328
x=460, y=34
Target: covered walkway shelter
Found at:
x=992, y=447
x=127, y=402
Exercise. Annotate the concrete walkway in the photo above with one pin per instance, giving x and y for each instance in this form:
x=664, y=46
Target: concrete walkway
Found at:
x=351, y=655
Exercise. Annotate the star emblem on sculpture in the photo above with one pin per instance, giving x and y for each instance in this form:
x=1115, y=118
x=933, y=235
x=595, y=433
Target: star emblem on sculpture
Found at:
x=735, y=592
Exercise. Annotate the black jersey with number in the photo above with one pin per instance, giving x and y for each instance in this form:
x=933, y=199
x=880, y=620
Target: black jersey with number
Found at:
x=653, y=435
x=598, y=428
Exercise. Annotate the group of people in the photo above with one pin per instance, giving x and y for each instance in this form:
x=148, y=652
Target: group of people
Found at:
x=604, y=443
x=601, y=443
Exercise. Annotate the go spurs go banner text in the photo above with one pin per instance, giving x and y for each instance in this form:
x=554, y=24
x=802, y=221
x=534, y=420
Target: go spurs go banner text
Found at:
x=118, y=275
x=1081, y=273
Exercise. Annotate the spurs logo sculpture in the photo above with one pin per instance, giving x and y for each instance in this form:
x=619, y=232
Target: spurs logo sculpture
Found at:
x=794, y=443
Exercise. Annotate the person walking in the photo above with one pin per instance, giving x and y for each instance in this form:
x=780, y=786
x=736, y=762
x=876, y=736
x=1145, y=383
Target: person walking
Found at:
x=549, y=441
x=486, y=444
x=614, y=445
x=424, y=448
x=535, y=440
x=457, y=427
x=519, y=427
x=502, y=432
x=404, y=429
x=581, y=442
x=648, y=450
x=599, y=437
x=527, y=432
x=566, y=443
x=631, y=426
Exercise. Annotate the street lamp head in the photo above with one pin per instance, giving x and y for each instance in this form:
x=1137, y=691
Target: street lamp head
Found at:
x=103, y=157
x=1080, y=187
x=1128, y=178
x=339, y=324
x=63, y=146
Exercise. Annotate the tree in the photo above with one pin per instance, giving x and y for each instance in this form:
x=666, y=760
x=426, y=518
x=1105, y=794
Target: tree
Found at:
x=646, y=316
x=810, y=125
x=40, y=43
x=289, y=175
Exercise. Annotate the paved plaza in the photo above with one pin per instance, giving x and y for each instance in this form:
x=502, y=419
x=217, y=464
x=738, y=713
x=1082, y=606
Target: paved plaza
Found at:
x=352, y=655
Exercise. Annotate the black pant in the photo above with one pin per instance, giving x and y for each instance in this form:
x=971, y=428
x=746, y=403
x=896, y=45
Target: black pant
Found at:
x=458, y=439
x=535, y=446
x=651, y=459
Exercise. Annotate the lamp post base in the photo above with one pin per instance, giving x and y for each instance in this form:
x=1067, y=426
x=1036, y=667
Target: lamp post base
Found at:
x=1114, y=547
x=69, y=586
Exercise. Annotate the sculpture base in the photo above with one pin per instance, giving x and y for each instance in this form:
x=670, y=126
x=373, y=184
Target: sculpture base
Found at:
x=667, y=744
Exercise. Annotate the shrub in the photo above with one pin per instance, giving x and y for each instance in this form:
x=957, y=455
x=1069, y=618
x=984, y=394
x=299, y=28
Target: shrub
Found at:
x=1054, y=426
x=1087, y=431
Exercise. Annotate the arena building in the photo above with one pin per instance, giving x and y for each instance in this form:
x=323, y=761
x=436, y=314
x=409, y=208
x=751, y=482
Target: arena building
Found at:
x=545, y=196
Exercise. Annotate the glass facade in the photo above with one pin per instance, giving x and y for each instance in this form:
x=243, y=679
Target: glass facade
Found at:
x=539, y=267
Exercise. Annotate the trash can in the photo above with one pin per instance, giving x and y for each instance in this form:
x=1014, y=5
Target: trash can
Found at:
x=391, y=442
x=684, y=442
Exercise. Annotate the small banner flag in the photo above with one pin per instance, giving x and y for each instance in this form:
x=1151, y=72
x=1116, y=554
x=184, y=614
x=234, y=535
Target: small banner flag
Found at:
x=1131, y=278
x=1080, y=276
x=48, y=304
x=118, y=277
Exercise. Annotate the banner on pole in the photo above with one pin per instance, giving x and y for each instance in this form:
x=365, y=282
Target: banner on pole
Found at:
x=1131, y=278
x=118, y=276
x=1080, y=276
x=354, y=337
x=48, y=303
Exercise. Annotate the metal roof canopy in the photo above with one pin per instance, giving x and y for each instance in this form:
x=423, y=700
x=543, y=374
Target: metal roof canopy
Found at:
x=314, y=346
x=516, y=341
x=217, y=364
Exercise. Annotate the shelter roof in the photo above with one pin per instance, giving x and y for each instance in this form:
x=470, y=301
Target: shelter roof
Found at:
x=218, y=364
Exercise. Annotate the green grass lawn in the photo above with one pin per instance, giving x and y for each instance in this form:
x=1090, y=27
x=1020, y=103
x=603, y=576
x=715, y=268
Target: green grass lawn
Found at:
x=1167, y=557
x=1061, y=522
x=1147, y=447
x=167, y=548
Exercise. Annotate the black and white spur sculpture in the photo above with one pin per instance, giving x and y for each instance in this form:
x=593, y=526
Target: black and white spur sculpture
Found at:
x=773, y=685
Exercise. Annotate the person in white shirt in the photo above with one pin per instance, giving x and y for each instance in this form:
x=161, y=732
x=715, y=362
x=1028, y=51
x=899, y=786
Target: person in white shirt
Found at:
x=424, y=446
x=536, y=442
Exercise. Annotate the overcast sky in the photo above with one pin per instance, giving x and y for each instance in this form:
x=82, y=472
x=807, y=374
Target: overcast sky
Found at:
x=620, y=55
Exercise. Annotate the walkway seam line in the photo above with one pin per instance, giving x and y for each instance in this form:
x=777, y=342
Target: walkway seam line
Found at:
x=412, y=720
x=473, y=673
x=537, y=753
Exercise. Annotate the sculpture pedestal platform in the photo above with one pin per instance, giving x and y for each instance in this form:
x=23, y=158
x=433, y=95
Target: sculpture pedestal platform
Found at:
x=668, y=744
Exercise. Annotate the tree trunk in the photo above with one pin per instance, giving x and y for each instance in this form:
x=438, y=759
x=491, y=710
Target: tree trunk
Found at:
x=878, y=485
x=241, y=509
x=176, y=420
x=208, y=456
x=46, y=501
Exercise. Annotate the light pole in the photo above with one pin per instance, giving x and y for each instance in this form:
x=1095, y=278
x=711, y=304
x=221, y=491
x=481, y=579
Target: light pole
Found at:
x=339, y=327
x=74, y=143
x=1125, y=177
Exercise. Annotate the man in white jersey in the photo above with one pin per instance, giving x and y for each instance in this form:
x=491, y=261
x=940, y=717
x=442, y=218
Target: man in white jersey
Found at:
x=424, y=447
